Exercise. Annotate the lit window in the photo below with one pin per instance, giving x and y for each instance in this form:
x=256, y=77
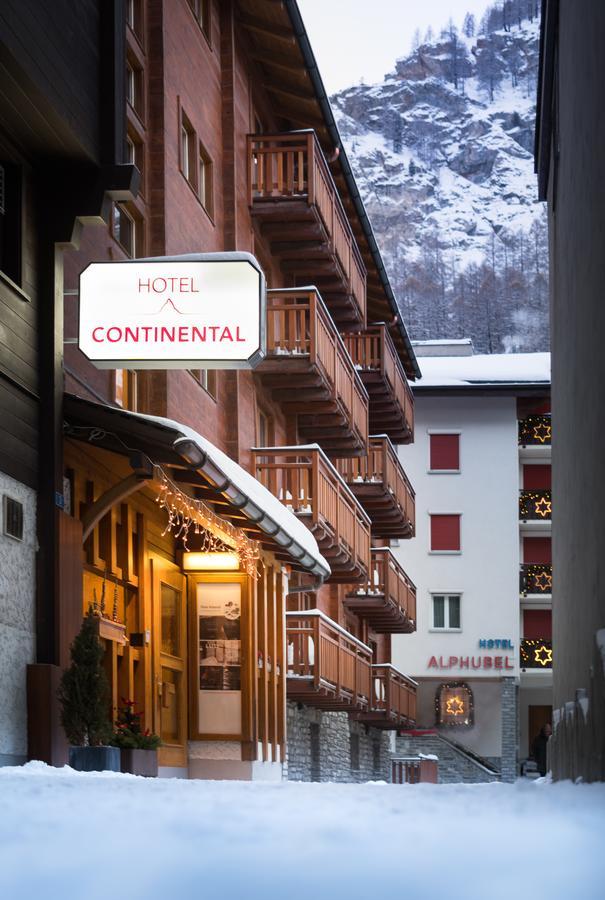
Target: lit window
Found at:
x=446, y=611
x=205, y=181
x=124, y=229
x=201, y=11
x=444, y=452
x=445, y=533
x=454, y=705
x=125, y=389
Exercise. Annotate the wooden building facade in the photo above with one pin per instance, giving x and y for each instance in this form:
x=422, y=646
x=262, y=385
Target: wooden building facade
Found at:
x=217, y=135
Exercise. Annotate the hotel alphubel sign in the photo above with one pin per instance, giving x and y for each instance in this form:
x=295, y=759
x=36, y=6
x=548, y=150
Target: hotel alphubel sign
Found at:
x=194, y=311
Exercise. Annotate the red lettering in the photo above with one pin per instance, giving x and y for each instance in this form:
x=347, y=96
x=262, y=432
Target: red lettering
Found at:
x=464, y=662
x=167, y=334
x=487, y=662
x=96, y=339
x=238, y=336
x=131, y=334
x=114, y=340
x=197, y=334
x=453, y=660
x=498, y=662
x=183, y=333
x=143, y=284
x=433, y=663
x=213, y=330
x=226, y=334
x=477, y=664
x=507, y=663
x=155, y=282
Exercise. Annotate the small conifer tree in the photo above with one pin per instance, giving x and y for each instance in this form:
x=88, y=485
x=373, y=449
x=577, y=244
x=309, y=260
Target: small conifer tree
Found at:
x=84, y=691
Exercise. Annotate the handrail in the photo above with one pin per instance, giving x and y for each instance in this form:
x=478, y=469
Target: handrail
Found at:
x=389, y=578
x=393, y=692
x=381, y=464
x=292, y=165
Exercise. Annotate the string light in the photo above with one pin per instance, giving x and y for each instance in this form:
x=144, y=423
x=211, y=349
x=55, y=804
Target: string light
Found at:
x=187, y=515
x=535, y=504
x=535, y=430
x=454, y=704
x=536, y=654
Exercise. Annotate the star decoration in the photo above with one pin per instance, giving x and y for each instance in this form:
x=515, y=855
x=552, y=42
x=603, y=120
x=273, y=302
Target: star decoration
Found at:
x=543, y=655
x=543, y=507
x=454, y=706
x=543, y=581
x=542, y=432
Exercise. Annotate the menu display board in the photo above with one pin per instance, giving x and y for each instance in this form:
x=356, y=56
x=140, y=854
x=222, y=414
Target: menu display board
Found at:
x=219, y=662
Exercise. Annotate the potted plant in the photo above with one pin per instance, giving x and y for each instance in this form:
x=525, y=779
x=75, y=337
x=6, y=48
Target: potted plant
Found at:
x=138, y=748
x=84, y=700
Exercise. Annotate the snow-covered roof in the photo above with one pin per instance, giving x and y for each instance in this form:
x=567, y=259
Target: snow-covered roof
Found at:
x=485, y=369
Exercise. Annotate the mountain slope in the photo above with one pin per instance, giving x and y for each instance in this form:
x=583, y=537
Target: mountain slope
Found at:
x=443, y=155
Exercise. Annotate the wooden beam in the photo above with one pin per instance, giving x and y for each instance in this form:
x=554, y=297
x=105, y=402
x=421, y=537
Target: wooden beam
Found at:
x=267, y=29
x=287, y=90
x=104, y=503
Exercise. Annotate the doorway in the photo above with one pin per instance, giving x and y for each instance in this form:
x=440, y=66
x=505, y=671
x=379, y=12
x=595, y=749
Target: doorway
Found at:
x=169, y=661
x=538, y=716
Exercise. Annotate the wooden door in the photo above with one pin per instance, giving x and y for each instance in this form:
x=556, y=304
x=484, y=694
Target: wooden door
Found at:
x=538, y=716
x=170, y=661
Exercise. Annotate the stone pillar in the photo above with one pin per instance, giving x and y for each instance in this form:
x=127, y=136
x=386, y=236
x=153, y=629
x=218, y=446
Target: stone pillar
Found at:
x=510, y=729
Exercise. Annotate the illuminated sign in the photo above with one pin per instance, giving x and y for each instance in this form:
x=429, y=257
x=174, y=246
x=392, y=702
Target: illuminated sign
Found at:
x=199, y=311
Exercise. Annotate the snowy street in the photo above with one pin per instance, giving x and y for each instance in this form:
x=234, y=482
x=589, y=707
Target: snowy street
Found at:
x=67, y=835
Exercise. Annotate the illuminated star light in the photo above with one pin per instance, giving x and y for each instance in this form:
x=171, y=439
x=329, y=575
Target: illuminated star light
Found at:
x=543, y=655
x=543, y=581
x=457, y=703
x=542, y=432
x=543, y=507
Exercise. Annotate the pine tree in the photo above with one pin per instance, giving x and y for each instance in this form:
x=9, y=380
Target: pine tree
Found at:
x=84, y=692
x=397, y=133
x=416, y=40
x=468, y=28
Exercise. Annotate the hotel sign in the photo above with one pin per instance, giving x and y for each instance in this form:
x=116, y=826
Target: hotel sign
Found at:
x=199, y=311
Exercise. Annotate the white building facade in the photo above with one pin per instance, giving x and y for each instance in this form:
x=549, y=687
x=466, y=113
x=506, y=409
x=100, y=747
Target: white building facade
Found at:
x=466, y=561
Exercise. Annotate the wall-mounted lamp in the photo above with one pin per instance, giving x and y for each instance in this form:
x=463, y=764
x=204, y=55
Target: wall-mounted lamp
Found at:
x=210, y=562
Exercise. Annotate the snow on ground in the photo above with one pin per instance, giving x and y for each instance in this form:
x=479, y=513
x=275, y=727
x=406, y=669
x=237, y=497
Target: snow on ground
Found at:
x=97, y=836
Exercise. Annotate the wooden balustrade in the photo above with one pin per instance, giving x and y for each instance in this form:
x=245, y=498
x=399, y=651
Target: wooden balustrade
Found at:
x=305, y=481
x=381, y=485
x=311, y=374
x=393, y=699
x=388, y=599
x=392, y=402
x=292, y=192
x=327, y=667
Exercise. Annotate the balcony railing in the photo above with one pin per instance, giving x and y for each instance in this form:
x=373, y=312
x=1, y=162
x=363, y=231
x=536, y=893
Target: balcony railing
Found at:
x=388, y=599
x=327, y=667
x=310, y=372
x=535, y=431
x=306, y=482
x=414, y=770
x=535, y=505
x=381, y=485
x=536, y=654
x=393, y=699
x=535, y=578
x=392, y=403
x=291, y=189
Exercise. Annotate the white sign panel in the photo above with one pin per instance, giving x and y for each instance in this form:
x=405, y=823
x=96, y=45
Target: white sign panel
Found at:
x=200, y=311
x=219, y=643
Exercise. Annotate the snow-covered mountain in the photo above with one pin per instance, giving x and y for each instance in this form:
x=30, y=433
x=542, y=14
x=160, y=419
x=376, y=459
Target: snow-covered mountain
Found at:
x=443, y=155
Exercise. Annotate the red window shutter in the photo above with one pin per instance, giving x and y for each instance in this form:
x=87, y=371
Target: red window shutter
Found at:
x=445, y=451
x=536, y=478
x=537, y=624
x=445, y=532
x=537, y=550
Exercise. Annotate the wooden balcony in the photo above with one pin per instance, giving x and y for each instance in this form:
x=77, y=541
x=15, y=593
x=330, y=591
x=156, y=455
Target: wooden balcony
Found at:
x=393, y=699
x=391, y=401
x=382, y=487
x=388, y=599
x=305, y=480
x=327, y=667
x=292, y=193
x=311, y=374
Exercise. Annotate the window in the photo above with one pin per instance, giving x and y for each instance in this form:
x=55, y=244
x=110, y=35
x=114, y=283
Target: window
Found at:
x=537, y=624
x=537, y=478
x=125, y=388
x=13, y=518
x=264, y=429
x=537, y=550
x=201, y=11
x=444, y=452
x=124, y=229
x=10, y=221
x=134, y=87
x=207, y=379
x=204, y=188
x=188, y=155
x=454, y=705
x=135, y=153
x=446, y=612
x=445, y=533
x=134, y=16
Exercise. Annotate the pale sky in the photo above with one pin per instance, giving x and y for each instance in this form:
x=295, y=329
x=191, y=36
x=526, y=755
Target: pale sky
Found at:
x=354, y=39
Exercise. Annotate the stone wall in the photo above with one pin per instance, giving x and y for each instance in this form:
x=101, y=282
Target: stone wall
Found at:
x=327, y=746
x=17, y=622
x=510, y=730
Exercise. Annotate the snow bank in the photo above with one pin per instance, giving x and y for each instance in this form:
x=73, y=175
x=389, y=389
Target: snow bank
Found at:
x=69, y=836
x=484, y=368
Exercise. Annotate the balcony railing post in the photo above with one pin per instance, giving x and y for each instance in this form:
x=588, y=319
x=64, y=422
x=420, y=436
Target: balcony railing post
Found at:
x=311, y=168
x=313, y=313
x=317, y=652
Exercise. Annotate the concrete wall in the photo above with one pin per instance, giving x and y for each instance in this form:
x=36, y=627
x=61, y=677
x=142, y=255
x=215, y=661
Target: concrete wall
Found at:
x=485, y=736
x=577, y=229
x=17, y=622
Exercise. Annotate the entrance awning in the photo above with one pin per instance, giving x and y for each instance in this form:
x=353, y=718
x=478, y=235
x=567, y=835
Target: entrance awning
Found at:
x=194, y=460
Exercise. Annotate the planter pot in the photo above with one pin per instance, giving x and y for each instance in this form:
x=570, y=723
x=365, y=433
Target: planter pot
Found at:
x=94, y=759
x=140, y=762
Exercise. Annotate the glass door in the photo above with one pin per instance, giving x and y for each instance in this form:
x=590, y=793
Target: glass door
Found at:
x=170, y=661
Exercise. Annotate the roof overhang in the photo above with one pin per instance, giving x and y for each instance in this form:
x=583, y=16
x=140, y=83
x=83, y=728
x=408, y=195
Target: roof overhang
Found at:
x=194, y=462
x=483, y=389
